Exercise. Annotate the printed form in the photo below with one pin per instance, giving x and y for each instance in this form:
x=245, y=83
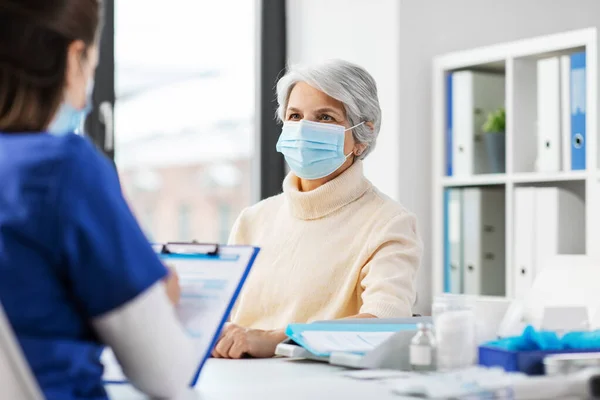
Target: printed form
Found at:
x=208, y=287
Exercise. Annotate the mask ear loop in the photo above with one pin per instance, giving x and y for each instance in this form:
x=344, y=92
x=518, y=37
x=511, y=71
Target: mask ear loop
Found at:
x=352, y=127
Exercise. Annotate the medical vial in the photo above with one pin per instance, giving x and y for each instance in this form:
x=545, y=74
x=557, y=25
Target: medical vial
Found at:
x=423, y=349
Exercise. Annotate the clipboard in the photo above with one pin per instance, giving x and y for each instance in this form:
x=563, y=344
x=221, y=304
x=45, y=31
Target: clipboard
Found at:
x=211, y=277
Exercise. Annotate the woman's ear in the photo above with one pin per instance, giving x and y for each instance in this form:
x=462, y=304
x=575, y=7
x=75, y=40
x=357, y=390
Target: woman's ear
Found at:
x=370, y=125
x=75, y=55
x=74, y=74
x=359, y=149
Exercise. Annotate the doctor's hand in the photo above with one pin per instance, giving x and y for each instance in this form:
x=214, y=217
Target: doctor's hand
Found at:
x=237, y=342
x=172, y=286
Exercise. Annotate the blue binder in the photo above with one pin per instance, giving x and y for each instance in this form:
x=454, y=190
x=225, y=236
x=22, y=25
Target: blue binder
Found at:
x=449, y=160
x=578, y=110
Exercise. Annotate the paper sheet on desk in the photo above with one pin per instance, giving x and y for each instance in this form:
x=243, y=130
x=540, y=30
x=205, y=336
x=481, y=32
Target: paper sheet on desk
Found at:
x=469, y=383
x=377, y=374
x=209, y=287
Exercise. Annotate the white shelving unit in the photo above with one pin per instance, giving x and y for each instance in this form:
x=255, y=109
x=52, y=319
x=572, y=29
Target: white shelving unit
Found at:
x=517, y=60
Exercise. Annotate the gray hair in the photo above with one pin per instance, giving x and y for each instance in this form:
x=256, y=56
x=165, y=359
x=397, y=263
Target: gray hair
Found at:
x=345, y=82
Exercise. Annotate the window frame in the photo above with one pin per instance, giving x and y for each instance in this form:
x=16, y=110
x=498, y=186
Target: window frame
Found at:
x=100, y=125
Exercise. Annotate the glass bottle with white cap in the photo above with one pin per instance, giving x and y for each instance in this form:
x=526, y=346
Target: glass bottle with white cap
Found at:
x=423, y=349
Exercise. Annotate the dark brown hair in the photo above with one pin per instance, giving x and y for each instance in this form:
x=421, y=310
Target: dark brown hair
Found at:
x=34, y=39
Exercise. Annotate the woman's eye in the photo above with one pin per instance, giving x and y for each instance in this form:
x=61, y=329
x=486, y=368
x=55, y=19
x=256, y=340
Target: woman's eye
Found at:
x=326, y=118
x=293, y=117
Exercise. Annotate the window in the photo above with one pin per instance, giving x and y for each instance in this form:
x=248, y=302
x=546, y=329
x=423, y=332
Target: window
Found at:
x=146, y=220
x=185, y=222
x=184, y=113
x=224, y=222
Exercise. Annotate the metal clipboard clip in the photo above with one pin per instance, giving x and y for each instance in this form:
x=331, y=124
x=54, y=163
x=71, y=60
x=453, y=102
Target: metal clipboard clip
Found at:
x=192, y=248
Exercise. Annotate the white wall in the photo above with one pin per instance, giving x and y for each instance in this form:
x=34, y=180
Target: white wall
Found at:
x=367, y=33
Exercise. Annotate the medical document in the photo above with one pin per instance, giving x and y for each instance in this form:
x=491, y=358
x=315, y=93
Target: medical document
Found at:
x=353, y=342
x=209, y=287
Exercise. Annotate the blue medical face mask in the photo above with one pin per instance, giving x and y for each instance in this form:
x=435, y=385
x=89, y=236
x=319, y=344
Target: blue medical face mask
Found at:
x=68, y=119
x=313, y=150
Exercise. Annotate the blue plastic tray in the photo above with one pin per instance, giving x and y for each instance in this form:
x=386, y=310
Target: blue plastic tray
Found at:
x=528, y=362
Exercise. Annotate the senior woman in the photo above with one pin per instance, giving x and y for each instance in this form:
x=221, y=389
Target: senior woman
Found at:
x=333, y=246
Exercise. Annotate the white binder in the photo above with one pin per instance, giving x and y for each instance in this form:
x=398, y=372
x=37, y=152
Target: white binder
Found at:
x=524, y=239
x=483, y=241
x=565, y=112
x=548, y=115
x=455, y=240
x=474, y=95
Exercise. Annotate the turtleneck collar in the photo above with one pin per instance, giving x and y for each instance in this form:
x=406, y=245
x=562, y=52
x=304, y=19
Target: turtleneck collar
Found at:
x=326, y=199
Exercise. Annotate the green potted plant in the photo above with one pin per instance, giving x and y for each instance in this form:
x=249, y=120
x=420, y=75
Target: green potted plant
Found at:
x=494, y=139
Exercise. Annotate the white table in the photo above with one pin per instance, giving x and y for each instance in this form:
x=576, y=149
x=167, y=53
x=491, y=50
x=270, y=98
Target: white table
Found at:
x=274, y=379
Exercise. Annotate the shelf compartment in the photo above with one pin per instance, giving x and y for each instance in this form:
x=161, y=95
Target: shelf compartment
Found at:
x=475, y=180
x=541, y=177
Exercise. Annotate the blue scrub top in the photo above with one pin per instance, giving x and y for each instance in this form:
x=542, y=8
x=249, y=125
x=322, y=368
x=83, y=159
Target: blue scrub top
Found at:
x=70, y=251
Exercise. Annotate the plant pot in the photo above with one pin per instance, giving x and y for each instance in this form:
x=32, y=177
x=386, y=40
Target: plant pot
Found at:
x=495, y=147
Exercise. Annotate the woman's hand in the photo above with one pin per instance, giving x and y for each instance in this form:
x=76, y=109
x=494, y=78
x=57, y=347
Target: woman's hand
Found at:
x=172, y=286
x=237, y=342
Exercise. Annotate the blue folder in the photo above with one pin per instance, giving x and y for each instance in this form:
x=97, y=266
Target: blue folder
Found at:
x=295, y=331
x=578, y=111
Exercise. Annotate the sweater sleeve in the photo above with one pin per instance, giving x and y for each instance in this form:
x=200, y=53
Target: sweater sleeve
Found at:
x=237, y=234
x=388, y=277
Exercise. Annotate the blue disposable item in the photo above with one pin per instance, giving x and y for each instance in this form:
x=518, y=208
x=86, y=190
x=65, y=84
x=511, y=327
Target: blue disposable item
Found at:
x=581, y=340
x=530, y=339
x=313, y=150
x=540, y=340
x=526, y=353
x=69, y=119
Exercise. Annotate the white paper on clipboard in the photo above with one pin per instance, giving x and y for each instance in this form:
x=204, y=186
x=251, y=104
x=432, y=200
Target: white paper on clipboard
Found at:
x=210, y=285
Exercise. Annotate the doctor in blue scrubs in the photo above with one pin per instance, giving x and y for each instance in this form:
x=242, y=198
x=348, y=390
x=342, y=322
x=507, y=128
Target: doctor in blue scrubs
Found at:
x=76, y=271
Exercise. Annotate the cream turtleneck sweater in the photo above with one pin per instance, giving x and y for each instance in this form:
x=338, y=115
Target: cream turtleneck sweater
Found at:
x=336, y=251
